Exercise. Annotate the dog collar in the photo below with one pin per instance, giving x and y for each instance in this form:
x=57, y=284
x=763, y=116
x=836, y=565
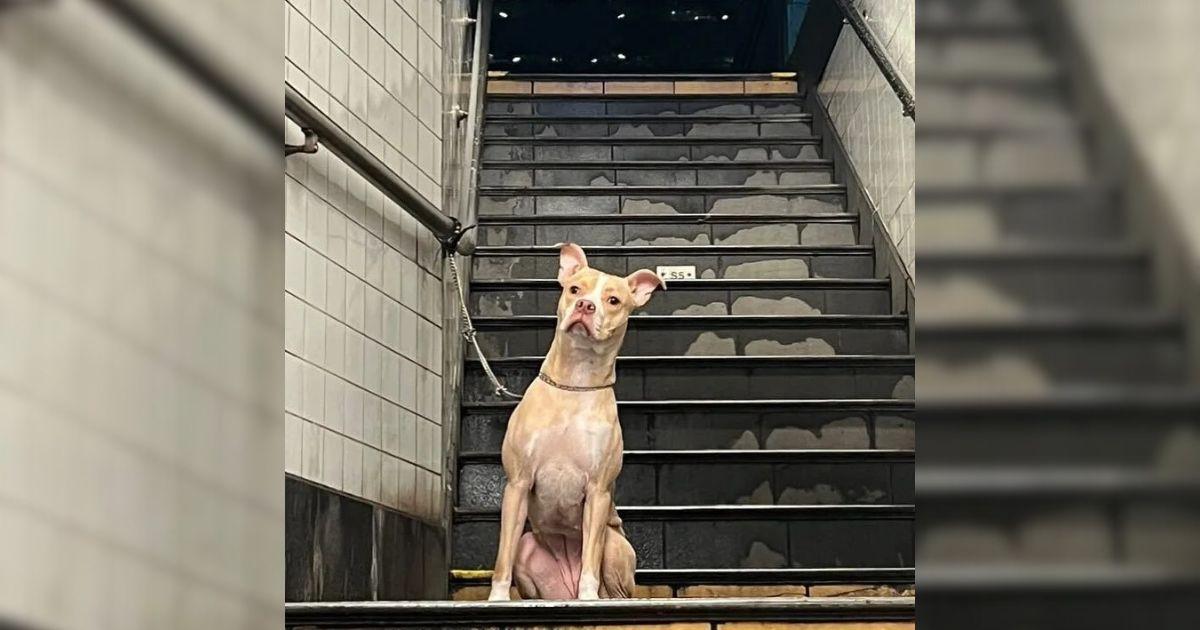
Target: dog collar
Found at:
x=572, y=388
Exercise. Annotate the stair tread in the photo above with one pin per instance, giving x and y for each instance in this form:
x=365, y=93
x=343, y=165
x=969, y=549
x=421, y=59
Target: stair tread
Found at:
x=735, y=456
x=857, y=511
x=657, y=164
x=685, y=218
x=649, y=118
x=706, y=283
x=612, y=189
x=672, y=321
x=687, y=140
x=618, y=250
x=842, y=359
x=812, y=575
x=597, y=612
x=901, y=404
x=1105, y=399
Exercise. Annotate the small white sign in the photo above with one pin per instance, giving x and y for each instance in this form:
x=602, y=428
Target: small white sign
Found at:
x=677, y=272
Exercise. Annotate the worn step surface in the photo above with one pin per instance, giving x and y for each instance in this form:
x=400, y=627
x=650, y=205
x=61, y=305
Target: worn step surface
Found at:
x=655, y=172
x=759, y=477
x=750, y=536
x=715, y=335
x=731, y=424
x=648, y=126
x=892, y=613
x=810, y=199
x=710, y=261
x=716, y=296
x=669, y=229
x=744, y=377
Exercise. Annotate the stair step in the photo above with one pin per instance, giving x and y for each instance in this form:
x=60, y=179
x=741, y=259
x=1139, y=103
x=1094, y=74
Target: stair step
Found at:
x=650, y=149
x=704, y=296
x=663, y=199
x=601, y=613
x=635, y=105
x=1104, y=426
x=700, y=128
x=710, y=261
x=758, y=536
x=729, y=424
x=669, y=229
x=760, y=477
x=673, y=377
x=657, y=173
x=468, y=585
x=715, y=335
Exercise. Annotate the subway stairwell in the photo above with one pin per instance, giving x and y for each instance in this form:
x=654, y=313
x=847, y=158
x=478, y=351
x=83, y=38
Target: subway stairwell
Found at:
x=766, y=405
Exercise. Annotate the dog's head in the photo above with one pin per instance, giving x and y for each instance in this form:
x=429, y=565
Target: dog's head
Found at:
x=595, y=305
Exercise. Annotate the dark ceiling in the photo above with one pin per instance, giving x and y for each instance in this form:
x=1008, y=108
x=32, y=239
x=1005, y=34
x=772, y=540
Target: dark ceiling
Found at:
x=643, y=36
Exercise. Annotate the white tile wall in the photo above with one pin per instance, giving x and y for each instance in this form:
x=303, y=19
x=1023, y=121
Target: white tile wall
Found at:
x=364, y=293
x=868, y=117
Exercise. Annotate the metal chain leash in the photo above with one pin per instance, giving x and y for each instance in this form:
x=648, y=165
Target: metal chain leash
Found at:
x=469, y=332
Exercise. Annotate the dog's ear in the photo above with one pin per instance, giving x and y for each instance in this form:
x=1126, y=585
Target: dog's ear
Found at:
x=571, y=260
x=642, y=283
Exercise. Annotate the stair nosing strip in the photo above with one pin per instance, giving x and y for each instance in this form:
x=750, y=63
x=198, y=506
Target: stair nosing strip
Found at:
x=727, y=512
x=765, y=456
x=638, y=140
x=504, y=322
x=649, y=118
x=716, y=283
x=680, y=218
x=621, y=190
x=1155, y=323
x=868, y=404
x=873, y=359
x=806, y=164
x=699, y=250
x=806, y=575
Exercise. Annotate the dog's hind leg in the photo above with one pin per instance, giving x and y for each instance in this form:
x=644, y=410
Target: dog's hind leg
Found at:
x=620, y=561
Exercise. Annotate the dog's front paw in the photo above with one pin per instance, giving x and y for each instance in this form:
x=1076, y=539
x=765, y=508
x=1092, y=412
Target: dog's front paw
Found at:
x=500, y=593
x=589, y=587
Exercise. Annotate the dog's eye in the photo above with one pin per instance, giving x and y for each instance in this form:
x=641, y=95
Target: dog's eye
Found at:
x=574, y=290
x=614, y=301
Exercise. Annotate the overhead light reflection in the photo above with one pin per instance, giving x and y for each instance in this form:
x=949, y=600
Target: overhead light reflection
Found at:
x=503, y=14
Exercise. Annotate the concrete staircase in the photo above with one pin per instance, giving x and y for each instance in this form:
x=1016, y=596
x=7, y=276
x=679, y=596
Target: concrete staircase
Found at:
x=767, y=403
x=1053, y=388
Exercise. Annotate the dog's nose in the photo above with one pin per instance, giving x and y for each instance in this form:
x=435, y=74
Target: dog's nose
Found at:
x=586, y=306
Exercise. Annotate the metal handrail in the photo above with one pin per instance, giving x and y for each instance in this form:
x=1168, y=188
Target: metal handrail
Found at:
x=330, y=135
x=875, y=48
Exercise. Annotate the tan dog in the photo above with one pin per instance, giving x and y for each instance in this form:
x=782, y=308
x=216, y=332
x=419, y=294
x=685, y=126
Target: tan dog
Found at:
x=563, y=448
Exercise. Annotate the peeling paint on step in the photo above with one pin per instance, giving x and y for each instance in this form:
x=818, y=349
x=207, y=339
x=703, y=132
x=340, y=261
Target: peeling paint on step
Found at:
x=754, y=305
x=712, y=308
x=828, y=234
x=760, y=556
x=711, y=344
x=843, y=433
x=786, y=234
x=965, y=297
x=779, y=268
x=811, y=346
x=761, y=495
